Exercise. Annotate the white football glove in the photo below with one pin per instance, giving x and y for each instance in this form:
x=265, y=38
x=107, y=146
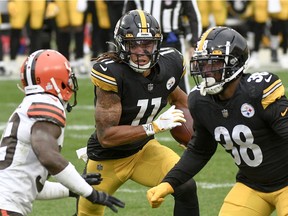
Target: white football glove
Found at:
x=166, y=121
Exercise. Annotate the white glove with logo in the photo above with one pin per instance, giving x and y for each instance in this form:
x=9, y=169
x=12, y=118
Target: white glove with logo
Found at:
x=166, y=121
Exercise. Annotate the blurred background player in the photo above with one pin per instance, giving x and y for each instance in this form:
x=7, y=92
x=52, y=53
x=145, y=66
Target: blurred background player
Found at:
x=237, y=17
x=270, y=16
x=279, y=34
x=21, y=11
x=213, y=13
x=132, y=86
x=98, y=16
x=33, y=138
x=169, y=15
x=2, y=66
x=69, y=23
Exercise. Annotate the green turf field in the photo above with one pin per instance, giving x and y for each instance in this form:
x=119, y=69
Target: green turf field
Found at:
x=214, y=181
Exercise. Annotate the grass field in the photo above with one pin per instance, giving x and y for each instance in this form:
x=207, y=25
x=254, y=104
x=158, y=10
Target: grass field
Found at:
x=214, y=181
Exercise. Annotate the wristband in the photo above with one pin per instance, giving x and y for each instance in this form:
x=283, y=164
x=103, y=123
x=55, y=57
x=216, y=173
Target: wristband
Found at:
x=71, y=179
x=149, y=129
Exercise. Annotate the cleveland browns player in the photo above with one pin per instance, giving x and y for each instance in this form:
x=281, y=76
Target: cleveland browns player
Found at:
x=248, y=115
x=33, y=136
x=132, y=85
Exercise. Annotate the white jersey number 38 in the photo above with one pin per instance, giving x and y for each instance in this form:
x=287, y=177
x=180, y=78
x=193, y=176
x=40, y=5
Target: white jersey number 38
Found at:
x=249, y=152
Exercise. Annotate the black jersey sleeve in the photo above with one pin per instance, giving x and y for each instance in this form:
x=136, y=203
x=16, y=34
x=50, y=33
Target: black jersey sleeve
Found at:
x=102, y=76
x=199, y=151
x=191, y=162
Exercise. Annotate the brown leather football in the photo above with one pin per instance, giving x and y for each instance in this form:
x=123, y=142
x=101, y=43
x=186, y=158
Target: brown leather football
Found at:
x=182, y=134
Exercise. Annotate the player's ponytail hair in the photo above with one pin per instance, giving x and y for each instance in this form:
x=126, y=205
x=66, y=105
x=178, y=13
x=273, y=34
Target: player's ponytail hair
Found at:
x=108, y=55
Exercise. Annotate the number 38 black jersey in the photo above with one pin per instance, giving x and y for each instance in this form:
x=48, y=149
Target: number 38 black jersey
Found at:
x=252, y=126
x=142, y=98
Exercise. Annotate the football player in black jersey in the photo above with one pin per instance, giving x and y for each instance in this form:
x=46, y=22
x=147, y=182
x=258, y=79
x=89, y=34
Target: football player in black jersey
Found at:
x=132, y=85
x=248, y=115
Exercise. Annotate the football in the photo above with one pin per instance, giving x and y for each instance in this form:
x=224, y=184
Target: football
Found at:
x=182, y=134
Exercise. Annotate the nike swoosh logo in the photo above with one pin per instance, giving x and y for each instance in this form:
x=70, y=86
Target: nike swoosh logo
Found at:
x=103, y=68
x=284, y=113
x=268, y=79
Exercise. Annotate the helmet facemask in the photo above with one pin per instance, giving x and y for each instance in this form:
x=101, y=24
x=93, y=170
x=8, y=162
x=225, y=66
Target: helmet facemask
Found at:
x=66, y=88
x=141, y=55
x=212, y=72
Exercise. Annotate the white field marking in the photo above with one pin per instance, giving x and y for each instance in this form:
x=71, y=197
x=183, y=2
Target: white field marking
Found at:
x=206, y=185
x=2, y=126
x=84, y=107
x=203, y=185
x=80, y=127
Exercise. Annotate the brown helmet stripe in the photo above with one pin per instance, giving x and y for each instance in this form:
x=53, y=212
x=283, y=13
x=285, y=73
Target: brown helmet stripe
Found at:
x=29, y=71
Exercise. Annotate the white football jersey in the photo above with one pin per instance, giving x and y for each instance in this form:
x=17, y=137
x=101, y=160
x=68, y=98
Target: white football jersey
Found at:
x=21, y=175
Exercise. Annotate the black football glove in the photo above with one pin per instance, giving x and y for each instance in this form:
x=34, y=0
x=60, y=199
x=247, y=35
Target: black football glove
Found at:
x=91, y=179
x=102, y=198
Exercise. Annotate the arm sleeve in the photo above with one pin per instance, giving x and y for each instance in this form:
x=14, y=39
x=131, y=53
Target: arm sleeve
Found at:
x=199, y=151
x=53, y=190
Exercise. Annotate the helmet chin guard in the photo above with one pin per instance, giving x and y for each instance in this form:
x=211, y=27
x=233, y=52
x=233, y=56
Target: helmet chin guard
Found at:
x=139, y=68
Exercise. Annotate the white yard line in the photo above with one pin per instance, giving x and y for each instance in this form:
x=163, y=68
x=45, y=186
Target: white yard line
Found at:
x=203, y=185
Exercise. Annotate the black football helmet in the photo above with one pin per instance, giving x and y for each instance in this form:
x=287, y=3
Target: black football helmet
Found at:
x=137, y=27
x=218, y=45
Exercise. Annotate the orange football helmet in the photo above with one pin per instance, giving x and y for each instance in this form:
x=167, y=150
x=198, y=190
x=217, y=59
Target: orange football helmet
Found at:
x=50, y=72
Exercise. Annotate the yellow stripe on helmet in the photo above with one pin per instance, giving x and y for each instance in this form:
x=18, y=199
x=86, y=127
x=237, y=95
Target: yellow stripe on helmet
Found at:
x=143, y=21
x=203, y=38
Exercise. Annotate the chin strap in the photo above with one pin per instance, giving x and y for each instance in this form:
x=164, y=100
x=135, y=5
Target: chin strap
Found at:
x=66, y=104
x=57, y=89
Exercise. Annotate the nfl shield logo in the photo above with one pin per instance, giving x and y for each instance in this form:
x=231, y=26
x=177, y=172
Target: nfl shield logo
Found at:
x=225, y=113
x=150, y=87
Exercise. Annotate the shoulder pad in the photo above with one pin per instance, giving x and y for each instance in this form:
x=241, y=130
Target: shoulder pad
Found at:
x=102, y=76
x=175, y=56
x=48, y=112
x=168, y=50
x=266, y=85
